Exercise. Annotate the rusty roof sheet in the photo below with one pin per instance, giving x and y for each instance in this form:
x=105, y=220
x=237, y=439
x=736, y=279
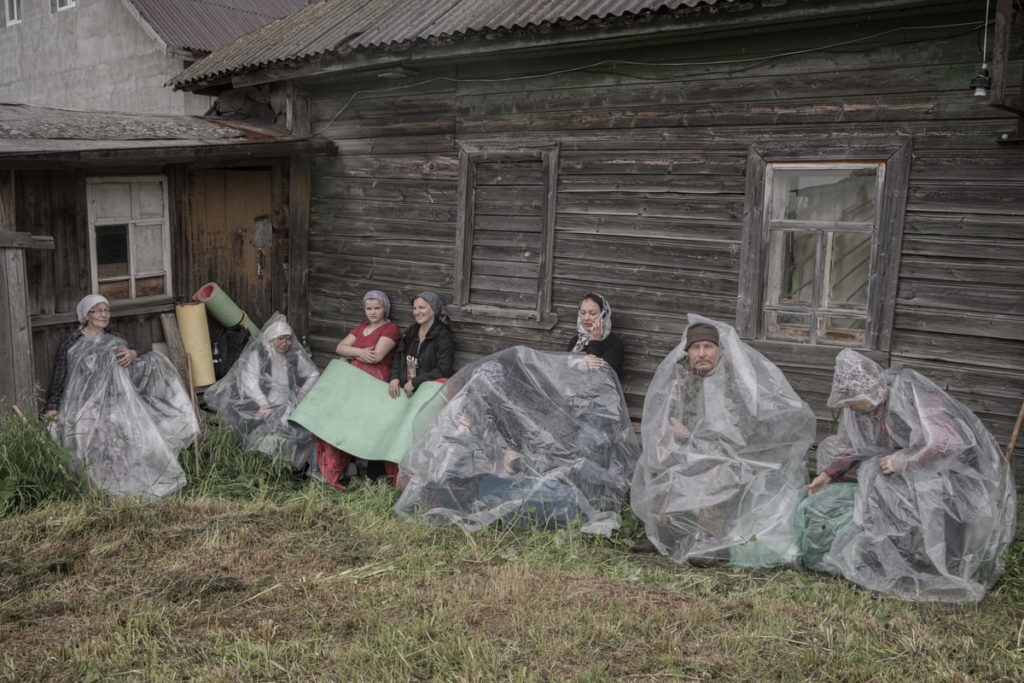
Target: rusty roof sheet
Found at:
x=339, y=26
x=205, y=25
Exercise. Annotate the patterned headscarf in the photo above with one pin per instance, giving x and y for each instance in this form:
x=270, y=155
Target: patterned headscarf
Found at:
x=856, y=378
x=440, y=312
x=86, y=304
x=383, y=299
x=605, y=318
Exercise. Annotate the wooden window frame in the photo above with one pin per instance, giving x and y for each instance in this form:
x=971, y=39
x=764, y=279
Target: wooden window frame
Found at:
x=18, y=8
x=542, y=316
x=886, y=243
x=131, y=221
x=61, y=5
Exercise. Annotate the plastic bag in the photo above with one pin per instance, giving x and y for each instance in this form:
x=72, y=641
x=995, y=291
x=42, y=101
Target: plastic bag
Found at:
x=528, y=437
x=728, y=488
x=937, y=527
x=125, y=426
x=257, y=395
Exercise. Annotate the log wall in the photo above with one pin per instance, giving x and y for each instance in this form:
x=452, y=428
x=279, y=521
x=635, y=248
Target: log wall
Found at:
x=651, y=190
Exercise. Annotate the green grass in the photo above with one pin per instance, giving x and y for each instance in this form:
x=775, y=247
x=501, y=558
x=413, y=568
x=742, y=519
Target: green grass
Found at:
x=249, y=575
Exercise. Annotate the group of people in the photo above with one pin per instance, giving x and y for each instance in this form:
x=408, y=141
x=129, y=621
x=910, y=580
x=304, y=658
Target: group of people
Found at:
x=539, y=438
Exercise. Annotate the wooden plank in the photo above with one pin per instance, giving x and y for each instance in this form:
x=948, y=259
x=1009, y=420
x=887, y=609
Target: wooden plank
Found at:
x=175, y=347
x=298, y=245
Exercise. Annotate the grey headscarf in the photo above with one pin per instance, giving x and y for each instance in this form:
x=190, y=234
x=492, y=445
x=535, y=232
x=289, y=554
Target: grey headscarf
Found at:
x=440, y=312
x=383, y=299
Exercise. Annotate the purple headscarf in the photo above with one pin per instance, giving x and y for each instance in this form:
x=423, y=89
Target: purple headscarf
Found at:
x=383, y=299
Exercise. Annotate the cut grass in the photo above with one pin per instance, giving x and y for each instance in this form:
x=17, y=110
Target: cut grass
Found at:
x=273, y=580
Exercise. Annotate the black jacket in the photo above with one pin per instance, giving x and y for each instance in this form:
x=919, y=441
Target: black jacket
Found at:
x=436, y=355
x=610, y=350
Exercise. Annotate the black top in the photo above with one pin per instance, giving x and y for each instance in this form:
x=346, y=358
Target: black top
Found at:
x=610, y=350
x=60, y=366
x=435, y=356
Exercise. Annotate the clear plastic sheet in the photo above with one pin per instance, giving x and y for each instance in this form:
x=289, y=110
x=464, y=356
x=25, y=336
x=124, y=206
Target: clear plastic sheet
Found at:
x=125, y=426
x=257, y=395
x=523, y=436
x=936, y=528
x=728, y=488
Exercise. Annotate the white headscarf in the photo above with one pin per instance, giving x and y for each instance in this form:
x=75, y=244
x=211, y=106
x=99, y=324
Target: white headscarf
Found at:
x=605, y=318
x=86, y=304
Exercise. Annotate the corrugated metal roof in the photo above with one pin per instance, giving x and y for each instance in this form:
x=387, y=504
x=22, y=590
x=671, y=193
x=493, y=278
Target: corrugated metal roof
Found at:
x=206, y=25
x=342, y=25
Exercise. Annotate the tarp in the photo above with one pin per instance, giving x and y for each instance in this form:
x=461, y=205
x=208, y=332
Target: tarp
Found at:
x=528, y=437
x=728, y=488
x=351, y=410
x=125, y=425
x=936, y=526
x=258, y=394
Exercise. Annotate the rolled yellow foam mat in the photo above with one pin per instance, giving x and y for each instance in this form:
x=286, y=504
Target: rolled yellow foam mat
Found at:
x=195, y=337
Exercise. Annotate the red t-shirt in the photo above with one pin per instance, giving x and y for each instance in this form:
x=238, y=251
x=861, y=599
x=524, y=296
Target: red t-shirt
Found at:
x=382, y=369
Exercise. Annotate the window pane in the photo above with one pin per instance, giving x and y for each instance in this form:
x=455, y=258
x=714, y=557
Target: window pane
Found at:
x=826, y=194
x=791, y=266
x=148, y=249
x=841, y=331
x=111, y=251
x=150, y=286
x=849, y=265
x=151, y=200
x=787, y=326
x=111, y=200
x=115, y=290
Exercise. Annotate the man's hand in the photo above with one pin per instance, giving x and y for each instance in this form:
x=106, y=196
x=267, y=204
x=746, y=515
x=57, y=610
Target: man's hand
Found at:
x=678, y=428
x=818, y=483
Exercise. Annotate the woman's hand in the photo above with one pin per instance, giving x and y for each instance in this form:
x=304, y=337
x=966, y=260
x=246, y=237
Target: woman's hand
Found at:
x=394, y=387
x=678, y=428
x=125, y=356
x=368, y=356
x=409, y=388
x=52, y=414
x=597, y=330
x=818, y=483
x=892, y=463
x=591, y=362
x=263, y=411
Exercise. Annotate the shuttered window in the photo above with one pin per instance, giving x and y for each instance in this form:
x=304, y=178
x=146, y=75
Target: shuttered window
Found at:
x=504, y=237
x=821, y=245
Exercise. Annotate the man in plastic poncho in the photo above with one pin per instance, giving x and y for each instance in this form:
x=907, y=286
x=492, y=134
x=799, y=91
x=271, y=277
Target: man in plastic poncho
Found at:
x=724, y=451
x=934, y=506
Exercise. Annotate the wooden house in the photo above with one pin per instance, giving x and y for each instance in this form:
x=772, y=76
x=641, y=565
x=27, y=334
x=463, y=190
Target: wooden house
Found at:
x=144, y=209
x=819, y=174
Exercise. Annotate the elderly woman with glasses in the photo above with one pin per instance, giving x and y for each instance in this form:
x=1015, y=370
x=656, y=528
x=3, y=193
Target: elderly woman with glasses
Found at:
x=123, y=414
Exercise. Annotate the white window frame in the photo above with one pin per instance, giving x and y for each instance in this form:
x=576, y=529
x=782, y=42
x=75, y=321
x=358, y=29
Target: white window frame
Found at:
x=131, y=221
x=12, y=12
x=893, y=154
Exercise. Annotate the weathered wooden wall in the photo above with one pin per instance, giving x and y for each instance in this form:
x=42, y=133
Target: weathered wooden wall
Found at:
x=651, y=185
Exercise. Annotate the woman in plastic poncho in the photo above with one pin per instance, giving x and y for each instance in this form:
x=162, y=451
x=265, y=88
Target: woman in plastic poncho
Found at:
x=525, y=437
x=123, y=413
x=261, y=389
x=934, y=506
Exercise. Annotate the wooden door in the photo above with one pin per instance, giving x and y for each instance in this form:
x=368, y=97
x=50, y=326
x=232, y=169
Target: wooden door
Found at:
x=226, y=210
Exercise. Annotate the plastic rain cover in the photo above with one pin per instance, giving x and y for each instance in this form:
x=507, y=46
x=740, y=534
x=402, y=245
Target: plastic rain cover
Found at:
x=125, y=426
x=263, y=376
x=523, y=436
x=936, y=528
x=728, y=488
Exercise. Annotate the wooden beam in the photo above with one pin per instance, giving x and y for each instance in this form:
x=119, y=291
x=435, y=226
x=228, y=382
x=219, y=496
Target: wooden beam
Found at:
x=17, y=382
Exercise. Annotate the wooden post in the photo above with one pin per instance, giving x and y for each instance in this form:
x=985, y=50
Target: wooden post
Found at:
x=17, y=380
